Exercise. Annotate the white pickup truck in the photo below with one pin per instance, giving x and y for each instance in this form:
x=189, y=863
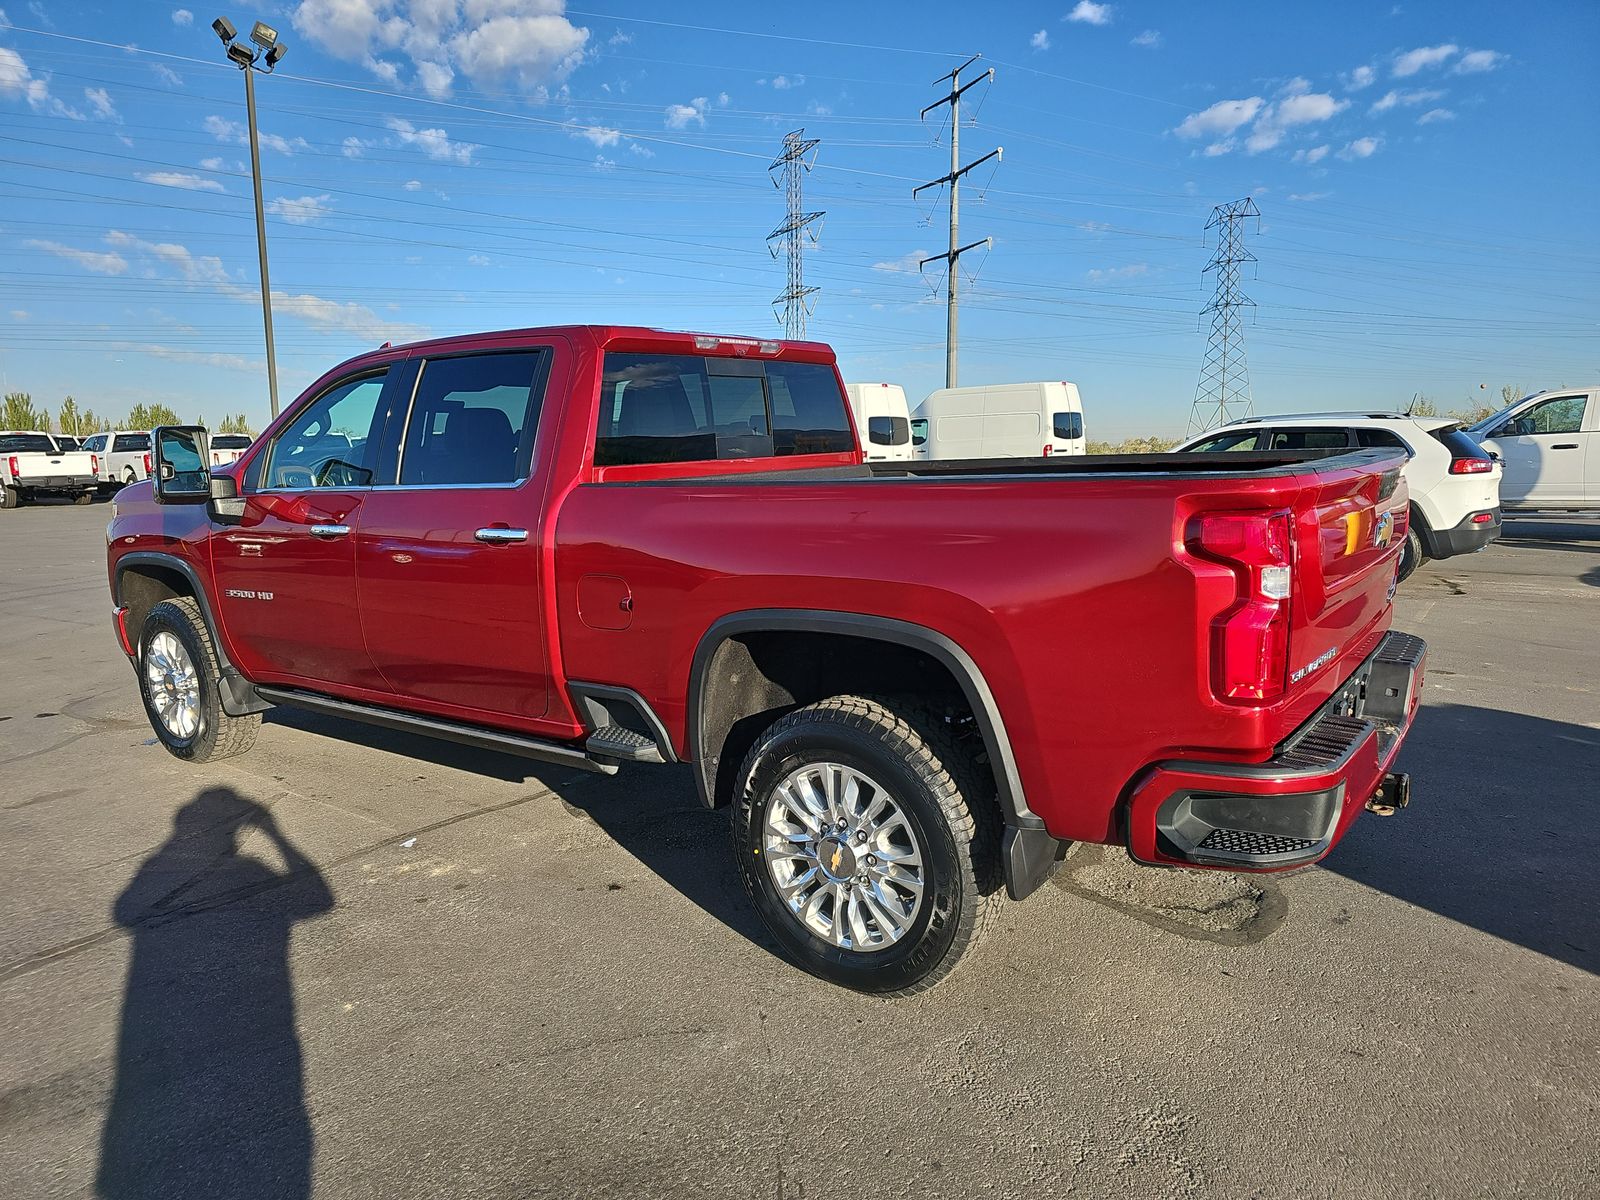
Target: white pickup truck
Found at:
x=31, y=465
x=1549, y=443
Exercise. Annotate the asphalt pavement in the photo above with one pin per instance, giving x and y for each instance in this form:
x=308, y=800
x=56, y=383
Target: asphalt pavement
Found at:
x=355, y=964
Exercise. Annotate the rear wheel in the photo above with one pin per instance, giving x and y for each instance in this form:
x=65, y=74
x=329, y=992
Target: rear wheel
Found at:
x=129, y=476
x=10, y=497
x=83, y=498
x=1411, y=557
x=179, y=679
x=868, y=843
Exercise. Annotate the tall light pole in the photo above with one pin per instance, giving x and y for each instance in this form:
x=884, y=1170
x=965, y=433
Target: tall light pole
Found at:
x=269, y=50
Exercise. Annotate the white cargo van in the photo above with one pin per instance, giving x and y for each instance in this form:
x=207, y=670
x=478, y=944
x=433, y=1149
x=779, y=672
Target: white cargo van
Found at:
x=882, y=418
x=1002, y=420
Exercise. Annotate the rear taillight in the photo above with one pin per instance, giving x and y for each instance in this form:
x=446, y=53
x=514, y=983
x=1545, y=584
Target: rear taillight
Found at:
x=1482, y=518
x=147, y=465
x=1250, y=641
x=12, y=462
x=1047, y=450
x=1470, y=466
x=94, y=464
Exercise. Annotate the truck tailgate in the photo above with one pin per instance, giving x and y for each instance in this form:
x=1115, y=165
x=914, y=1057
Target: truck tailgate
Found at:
x=38, y=467
x=1349, y=531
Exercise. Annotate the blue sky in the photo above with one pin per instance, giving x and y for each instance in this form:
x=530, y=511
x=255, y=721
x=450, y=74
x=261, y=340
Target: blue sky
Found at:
x=1427, y=175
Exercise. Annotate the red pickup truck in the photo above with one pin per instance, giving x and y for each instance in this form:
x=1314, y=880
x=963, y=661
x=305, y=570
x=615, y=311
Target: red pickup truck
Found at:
x=914, y=683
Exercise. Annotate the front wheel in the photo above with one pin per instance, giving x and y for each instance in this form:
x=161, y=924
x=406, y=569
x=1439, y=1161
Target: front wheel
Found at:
x=180, y=681
x=868, y=842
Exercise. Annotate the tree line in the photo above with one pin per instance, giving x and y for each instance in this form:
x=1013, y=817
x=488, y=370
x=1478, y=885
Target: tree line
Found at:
x=20, y=412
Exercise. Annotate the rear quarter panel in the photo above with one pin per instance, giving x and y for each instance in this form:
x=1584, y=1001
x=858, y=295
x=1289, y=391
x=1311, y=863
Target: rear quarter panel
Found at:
x=1075, y=597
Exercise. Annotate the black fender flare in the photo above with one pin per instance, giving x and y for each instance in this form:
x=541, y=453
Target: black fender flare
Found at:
x=239, y=696
x=991, y=725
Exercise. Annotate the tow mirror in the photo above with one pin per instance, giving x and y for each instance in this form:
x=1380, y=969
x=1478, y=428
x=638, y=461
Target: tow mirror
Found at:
x=182, y=464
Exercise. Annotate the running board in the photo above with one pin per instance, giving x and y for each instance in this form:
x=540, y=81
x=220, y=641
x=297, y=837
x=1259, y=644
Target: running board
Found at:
x=451, y=731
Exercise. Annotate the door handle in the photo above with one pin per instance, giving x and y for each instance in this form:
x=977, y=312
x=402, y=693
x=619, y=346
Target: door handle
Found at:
x=1565, y=446
x=329, y=531
x=499, y=537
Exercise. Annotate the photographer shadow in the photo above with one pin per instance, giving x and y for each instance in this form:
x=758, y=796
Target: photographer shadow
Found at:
x=209, y=1094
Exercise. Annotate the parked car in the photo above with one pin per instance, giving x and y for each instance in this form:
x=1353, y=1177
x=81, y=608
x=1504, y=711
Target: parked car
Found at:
x=123, y=456
x=1549, y=445
x=32, y=465
x=883, y=419
x=1006, y=420
x=914, y=683
x=227, y=447
x=1455, y=485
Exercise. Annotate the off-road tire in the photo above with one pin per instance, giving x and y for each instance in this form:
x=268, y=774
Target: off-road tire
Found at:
x=1412, y=556
x=942, y=791
x=218, y=734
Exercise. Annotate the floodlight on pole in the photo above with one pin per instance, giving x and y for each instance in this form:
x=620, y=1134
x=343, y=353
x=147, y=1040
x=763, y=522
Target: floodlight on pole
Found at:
x=248, y=60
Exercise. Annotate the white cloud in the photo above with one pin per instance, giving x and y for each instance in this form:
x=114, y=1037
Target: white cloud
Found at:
x=620, y=38
x=1416, y=60
x=1223, y=117
x=435, y=143
x=16, y=79
x=1364, y=147
x=1295, y=106
x=352, y=147
x=785, y=82
x=681, y=116
x=1150, y=39
x=413, y=185
x=333, y=316
x=1040, y=40
x=1474, y=61
x=303, y=211
x=480, y=260
x=1217, y=149
x=232, y=131
x=598, y=135
x=1314, y=155
x=527, y=42
x=1434, y=115
x=204, y=358
x=212, y=164
x=641, y=151
x=182, y=16
x=100, y=101
x=908, y=264
x=110, y=263
x=19, y=314
x=202, y=268
x=1308, y=197
x=166, y=74
x=187, y=180
x=1088, y=13
x=1396, y=99
x=818, y=109
x=1361, y=77
x=723, y=99
x=1112, y=274
x=602, y=163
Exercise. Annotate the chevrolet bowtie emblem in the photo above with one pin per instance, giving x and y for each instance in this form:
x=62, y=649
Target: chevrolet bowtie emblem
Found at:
x=1383, y=531
x=833, y=863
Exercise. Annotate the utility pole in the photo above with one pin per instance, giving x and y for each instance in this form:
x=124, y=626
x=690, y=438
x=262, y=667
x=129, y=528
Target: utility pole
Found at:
x=954, y=180
x=788, y=171
x=269, y=51
x=1223, y=393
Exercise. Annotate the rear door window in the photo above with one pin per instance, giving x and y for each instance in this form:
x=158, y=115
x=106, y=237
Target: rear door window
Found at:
x=1067, y=425
x=474, y=420
x=669, y=408
x=1385, y=439
x=888, y=431
x=1308, y=439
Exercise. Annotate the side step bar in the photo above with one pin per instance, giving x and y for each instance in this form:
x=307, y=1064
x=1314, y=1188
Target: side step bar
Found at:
x=451, y=731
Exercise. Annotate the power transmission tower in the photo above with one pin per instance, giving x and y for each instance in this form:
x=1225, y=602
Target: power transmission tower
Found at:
x=955, y=251
x=788, y=170
x=1223, y=393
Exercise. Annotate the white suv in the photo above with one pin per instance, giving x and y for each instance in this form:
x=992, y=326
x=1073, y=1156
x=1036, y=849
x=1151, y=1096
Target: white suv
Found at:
x=1454, y=482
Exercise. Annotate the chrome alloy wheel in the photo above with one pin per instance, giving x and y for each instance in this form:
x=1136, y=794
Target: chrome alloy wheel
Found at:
x=174, y=685
x=843, y=856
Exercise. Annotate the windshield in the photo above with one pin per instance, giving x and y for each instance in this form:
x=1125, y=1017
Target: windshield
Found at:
x=1494, y=419
x=26, y=443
